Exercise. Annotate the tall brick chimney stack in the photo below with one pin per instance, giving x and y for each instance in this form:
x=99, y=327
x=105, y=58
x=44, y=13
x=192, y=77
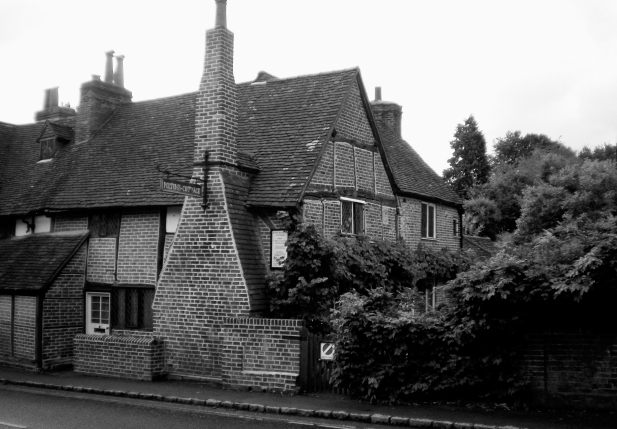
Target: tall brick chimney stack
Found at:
x=387, y=111
x=99, y=99
x=216, y=120
x=51, y=111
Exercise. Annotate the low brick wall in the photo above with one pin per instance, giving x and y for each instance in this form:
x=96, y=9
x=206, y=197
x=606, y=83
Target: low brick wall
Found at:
x=577, y=368
x=119, y=356
x=261, y=353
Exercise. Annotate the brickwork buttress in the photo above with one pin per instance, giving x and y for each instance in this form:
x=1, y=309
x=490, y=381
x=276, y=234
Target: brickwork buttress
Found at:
x=201, y=282
x=138, y=247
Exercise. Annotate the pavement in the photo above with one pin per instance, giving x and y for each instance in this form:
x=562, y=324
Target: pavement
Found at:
x=327, y=406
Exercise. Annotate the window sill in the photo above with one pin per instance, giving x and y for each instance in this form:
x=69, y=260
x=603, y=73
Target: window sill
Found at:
x=43, y=161
x=428, y=238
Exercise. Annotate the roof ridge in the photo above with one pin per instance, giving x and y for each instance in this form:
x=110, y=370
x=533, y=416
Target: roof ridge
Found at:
x=279, y=79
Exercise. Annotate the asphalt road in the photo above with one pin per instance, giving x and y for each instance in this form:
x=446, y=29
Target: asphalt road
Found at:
x=39, y=409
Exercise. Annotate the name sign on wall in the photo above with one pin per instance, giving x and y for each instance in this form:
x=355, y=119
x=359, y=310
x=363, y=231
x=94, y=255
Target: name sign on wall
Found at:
x=183, y=188
x=278, y=249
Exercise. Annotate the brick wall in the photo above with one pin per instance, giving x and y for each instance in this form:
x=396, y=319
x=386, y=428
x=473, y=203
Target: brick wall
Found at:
x=353, y=121
x=63, y=312
x=201, y=282
x=118, y=356
x=344, y=166
x=372, y=214
x=5, y=324
x=314, y=213
x=332, y=218
x=578, y=368
x=64, y=223
x=138, y=246
x=409, y=225
x=24, y=327
x=388, y=223
x=365, y=169
x=382, y=182
x=325, y=169
x=261, y=352
x=101, y=260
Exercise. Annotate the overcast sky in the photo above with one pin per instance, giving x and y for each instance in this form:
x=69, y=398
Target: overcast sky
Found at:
x=536, y=66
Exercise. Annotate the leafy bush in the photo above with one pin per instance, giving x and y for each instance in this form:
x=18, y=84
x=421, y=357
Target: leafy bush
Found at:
x=319, y=270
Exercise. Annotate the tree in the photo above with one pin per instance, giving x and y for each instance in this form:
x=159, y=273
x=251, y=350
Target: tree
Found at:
x=514, y=147
x=599, y=153
x=469, y=164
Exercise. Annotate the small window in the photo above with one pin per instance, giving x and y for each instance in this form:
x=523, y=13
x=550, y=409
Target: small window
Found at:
x=104, y=224
x=132, y=308
x=49, y=148
x=427, y=221
x=32, y=224
x=7, y=227
x=97, y=313
x=352, y=217
x=455, y=227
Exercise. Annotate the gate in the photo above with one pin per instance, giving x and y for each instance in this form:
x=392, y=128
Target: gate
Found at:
x=315, y=373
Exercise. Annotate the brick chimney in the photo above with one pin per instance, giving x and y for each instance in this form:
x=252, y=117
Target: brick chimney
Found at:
x=51, y=111
x=216, y=120
x=99, y=99
x=387, y=111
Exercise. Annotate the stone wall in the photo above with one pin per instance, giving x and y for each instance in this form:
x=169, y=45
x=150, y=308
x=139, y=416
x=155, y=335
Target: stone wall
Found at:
x=119, y=356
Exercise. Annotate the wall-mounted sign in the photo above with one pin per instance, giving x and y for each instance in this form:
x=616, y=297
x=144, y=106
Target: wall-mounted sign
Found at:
x=184, y=188
x=326, y=351
x=278, y=249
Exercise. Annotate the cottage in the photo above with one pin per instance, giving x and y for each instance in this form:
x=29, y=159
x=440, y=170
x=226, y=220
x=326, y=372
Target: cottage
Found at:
x=105, y=269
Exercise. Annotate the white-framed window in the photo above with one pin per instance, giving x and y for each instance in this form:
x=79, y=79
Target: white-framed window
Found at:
x=455, y=226
x=97, y=313
x=352, y=216
x=427, y=221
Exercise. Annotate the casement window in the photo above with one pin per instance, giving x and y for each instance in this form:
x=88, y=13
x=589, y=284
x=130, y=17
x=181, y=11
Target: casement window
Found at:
x=49, y=148
x=132, y=308
x=455, y=227
x=352, y=216
x=97, y=313
x=427, y=227
x=104, y=224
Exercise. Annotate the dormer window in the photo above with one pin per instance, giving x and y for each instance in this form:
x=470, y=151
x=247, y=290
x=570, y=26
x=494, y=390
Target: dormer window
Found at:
x=49, y=148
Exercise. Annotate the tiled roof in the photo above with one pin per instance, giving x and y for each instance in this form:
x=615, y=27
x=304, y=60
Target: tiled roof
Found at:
x=31, y=262
x=115, y=168
x=246, y=236
x=483, y=246
x=63, y=131
x=412, y=175
x=284, y=123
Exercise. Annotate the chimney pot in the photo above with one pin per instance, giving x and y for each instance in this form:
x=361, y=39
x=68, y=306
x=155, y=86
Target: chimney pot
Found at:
x=221, y=13
x=378, y=93
x=119, y=74
x=109, y=71
x=96, y=77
